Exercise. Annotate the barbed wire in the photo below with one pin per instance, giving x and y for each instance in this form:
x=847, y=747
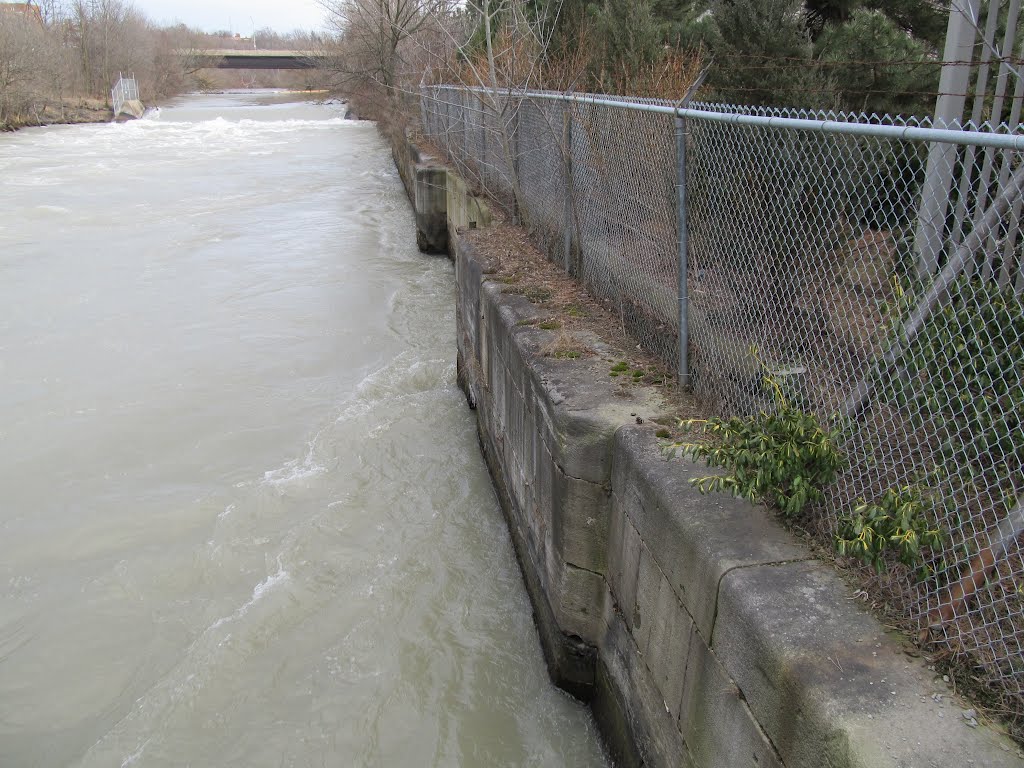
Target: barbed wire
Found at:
x=844, y=62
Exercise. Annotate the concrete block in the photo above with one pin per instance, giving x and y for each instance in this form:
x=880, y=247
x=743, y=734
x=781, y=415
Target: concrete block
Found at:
x=586, y=413
x=695, y=539
x=624, y=567
x=580, y=522
x=624, y=562
x=431, y=205
x=828, y=687
x=668, y=646
x=577, y=598
x=630, y=710
x=648, y=584
x=714, y=719
x=465, y=210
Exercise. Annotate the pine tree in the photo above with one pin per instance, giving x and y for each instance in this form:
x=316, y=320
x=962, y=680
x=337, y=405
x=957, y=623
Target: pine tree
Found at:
x=764, y=54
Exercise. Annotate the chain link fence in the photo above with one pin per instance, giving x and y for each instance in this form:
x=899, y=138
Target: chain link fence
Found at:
x=125, y=89
x=871, y=265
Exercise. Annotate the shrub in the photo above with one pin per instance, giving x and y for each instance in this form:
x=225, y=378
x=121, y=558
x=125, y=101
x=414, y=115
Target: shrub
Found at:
x=894, y=523
x=784, y=458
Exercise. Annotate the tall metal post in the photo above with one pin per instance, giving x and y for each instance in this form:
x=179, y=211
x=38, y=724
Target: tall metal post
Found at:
x=482, y=116
x=567, y=171
x=517, y=182
x=949, y=108
x=684, y=244
x=424, y=115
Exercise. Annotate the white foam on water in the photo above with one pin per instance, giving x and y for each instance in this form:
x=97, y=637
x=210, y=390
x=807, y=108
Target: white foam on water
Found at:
x=134, y=757
x=258, y=593
x=296, y=470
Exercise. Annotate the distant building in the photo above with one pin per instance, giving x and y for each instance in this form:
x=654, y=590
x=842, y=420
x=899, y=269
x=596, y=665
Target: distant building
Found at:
x=25, y=10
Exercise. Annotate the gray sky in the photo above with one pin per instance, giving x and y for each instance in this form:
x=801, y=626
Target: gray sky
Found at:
x=235, y=15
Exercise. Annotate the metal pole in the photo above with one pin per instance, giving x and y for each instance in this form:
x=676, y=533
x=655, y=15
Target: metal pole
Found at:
x=483, y=140
x=567, y=168
x=517, y=187
x=684, y=317
x=684, y=233
x=424, y=113
x=949, y=109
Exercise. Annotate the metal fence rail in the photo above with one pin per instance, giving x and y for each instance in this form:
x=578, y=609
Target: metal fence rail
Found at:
x=805, y=255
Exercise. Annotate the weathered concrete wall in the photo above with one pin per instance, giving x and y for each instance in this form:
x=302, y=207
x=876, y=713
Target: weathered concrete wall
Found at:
x=702, y=632
x=426, y=182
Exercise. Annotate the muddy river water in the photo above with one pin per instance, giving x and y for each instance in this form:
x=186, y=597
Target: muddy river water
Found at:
x=243, y=516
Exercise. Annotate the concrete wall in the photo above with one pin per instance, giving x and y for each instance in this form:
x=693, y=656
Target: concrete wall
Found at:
x=702, y=633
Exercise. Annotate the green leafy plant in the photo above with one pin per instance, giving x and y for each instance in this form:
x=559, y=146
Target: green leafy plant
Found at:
x=896, y=523
x=623, y=368
x=784, y=458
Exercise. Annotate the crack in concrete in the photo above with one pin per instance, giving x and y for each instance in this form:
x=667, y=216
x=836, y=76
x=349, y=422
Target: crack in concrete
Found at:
x=603, y=577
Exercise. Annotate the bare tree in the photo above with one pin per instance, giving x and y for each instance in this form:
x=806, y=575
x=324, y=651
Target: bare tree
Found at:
x=499, y=48
x=23, y=51
x=371, y=34
x=111, y=36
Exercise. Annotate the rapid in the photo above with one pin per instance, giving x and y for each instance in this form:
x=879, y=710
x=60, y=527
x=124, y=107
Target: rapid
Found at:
x=243, y=516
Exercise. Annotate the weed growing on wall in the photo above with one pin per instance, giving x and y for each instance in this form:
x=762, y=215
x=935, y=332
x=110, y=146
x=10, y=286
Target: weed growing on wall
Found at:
x=896, y=523
x=784, y=458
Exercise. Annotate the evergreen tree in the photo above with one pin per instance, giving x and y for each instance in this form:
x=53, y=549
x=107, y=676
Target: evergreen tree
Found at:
x=799, y=53
x=630, y=35
x=764, y=54
x=860, y=49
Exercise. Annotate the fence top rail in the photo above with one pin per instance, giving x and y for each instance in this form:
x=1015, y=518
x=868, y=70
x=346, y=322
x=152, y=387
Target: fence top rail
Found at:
x=961, y=136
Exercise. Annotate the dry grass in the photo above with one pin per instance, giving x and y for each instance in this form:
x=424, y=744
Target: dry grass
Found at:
x=573, y=318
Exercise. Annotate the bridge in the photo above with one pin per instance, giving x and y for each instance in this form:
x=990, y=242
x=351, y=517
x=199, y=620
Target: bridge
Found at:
x=251, y=58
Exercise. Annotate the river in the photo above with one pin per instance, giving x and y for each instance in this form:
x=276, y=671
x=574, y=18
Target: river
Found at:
x=244, y=518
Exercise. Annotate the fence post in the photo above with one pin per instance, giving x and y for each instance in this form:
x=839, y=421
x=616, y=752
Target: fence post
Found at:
x=482, y=114
x=449, y=141
x=464, y=145
x=515, y=142
x=684, y=317
x=424, y=115
x=567, y=170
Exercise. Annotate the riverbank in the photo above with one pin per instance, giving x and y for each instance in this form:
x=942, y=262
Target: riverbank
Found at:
x=702, y=632
x=74, y=111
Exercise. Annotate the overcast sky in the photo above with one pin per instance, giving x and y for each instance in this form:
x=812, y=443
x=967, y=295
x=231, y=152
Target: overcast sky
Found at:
x=236, y=15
